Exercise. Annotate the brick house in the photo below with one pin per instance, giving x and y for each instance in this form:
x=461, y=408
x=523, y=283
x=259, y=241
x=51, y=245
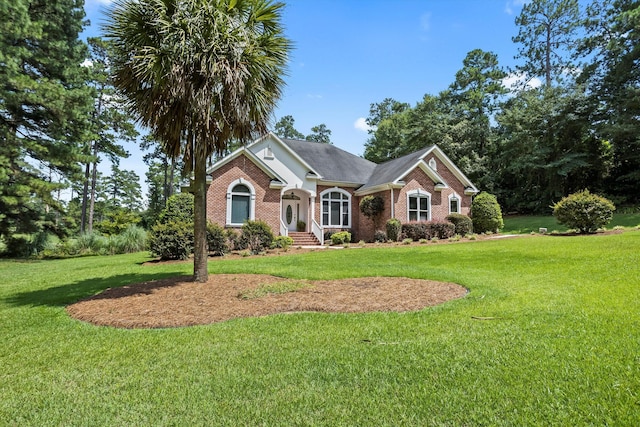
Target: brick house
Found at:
x=313, y=187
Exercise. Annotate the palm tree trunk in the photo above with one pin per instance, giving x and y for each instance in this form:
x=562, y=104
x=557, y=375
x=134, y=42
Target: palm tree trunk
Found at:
x=200, y=271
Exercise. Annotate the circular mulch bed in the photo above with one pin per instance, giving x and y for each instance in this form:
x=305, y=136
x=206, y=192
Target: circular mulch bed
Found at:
x=179, y=301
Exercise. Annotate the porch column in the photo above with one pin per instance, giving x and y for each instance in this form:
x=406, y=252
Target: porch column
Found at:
x=312, y=201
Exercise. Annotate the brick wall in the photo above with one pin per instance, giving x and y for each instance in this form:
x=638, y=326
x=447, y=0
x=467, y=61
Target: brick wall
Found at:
x=267, y=200
x=417, y=179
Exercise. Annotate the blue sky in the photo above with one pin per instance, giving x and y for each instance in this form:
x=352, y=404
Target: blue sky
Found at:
x=351, y=53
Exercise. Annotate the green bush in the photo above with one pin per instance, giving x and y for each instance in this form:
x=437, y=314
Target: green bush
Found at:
x=429, y=230
x=117, y=222
x=394, y=228
x=256, y=236
x=486, y=213
x=584, y=211
x=380, y=236
x=216, y=239
x=172, y=240
x=282, y=242
x=462, y=223
x=340, y=238
x=179, y=209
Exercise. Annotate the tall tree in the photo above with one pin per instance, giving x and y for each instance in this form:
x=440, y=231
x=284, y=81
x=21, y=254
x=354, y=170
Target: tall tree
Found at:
x=612, y=43
x=472, y=100
x=199, y=73
x=548, y=149
x=285, y=128
x=44, y=106
x=123, y=188
x=320, y=133
x=111, y=125
x=547, y=33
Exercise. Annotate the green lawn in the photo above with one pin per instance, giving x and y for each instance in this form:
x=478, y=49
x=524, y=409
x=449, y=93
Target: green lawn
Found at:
x=563, y=347
x=523, y=224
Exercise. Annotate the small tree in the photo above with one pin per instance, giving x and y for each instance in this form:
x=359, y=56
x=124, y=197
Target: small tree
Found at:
x=486, y=213
x=584, y=211
x=372, y=207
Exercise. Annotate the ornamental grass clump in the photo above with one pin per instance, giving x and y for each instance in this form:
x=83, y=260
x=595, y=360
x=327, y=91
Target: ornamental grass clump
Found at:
x=584, y=211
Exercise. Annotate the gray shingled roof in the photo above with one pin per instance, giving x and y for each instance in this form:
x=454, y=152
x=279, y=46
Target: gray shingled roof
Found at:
x=331, y=162
x=391, y=170
x=335, y=164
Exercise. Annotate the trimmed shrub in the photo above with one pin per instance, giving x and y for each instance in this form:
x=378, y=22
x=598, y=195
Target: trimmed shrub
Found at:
x=216, y=239
x=486, y=213
x=417, y=231
x=256, y=236
x=441, y=230
x=462, y=223
x=584, y=211
x=380, y=236
x=394, y=228
x=233, y=239
x=341, y=238
x=172, y=240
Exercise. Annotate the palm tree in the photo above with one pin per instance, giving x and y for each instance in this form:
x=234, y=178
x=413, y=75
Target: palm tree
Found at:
x=199, y=74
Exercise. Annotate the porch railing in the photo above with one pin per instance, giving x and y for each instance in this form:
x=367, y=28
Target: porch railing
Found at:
x=317, y=231
x=284, y=231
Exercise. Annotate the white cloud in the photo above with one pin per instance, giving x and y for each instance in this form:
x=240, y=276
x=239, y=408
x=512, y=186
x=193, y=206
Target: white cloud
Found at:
x=512, y=4
x=87, y=63
x=102, y=2
x=361, y=124
x=521, y=80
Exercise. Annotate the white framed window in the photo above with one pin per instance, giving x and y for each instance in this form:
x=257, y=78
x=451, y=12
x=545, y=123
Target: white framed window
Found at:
x=336, y=208
x=241, y=200
x=419, y=206
x=454, y=203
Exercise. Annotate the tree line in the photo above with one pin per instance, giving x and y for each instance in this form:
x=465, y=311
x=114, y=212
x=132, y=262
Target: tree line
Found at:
x=571, y=122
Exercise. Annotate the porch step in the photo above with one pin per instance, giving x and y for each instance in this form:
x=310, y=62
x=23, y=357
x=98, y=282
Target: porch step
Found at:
x=303, y=239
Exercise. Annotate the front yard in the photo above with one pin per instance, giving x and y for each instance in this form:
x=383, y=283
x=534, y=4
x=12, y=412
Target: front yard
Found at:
x=548, y=335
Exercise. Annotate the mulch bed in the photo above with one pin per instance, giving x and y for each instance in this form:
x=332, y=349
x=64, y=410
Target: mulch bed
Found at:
x=179, y=301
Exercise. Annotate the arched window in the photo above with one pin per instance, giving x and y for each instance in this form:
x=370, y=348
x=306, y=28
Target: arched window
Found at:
x=240, y=203
x=454, y=203
x=419, y=206
x=336, y=208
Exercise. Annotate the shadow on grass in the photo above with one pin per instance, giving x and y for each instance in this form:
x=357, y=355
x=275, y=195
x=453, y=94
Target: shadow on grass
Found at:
x=60, y=296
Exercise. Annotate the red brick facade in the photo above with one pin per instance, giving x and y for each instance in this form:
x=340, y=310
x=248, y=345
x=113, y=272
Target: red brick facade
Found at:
x=267, y=201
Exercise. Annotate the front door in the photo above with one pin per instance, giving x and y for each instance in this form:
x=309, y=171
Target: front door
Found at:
x=290, y=213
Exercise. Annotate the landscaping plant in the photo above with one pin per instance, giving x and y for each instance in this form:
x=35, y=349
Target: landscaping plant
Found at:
x=584, y=211
x=486, y=213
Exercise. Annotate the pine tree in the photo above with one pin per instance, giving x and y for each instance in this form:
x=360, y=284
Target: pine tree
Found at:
x=44, y=110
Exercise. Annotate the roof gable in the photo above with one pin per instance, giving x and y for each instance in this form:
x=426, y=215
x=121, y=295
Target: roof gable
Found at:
x=331, y=163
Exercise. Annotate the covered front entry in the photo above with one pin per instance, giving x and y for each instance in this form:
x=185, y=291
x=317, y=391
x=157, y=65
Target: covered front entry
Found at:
x=295, y=208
